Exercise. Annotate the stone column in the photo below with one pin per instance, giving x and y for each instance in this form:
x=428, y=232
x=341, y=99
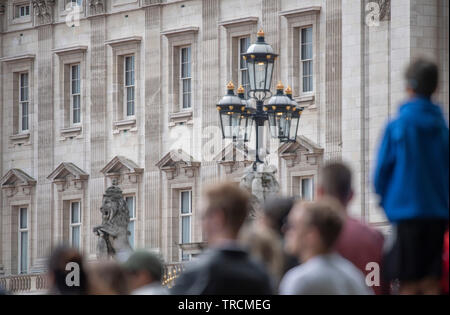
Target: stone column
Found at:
x=98, y=125
x=45, y=149
x=2, y=18
x=152, y=221
x=333, y=79
x=210, y=83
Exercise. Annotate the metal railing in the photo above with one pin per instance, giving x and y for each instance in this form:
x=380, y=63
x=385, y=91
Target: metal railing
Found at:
x=37, y=283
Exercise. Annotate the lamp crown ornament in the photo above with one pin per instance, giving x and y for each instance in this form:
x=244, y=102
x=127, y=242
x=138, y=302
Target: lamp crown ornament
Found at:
x=240, y=89
x=230, y=86
x=261, y=32
x=280, y=86
x=288, y=90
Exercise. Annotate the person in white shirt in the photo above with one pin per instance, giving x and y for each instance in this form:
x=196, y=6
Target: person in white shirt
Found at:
x=312, y=231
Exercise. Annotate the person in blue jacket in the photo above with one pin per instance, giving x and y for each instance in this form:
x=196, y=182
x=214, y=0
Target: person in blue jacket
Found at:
x=412, y=180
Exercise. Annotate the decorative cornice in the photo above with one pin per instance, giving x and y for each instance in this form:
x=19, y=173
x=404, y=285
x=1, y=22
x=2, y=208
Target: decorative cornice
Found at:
x=178, y=31
x=239, y=21
x=123, y=41
x=299, y=12
x=18, y=58
x=70, y=50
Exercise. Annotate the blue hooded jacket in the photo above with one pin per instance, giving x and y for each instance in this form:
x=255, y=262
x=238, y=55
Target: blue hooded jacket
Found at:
x=412, y=172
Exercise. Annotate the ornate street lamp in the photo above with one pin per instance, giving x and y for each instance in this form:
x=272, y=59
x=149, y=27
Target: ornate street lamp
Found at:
x=282, y=112
x=279, y=110
x=231, y=109
x=295, y=117
x=260, y=61
x=246, y=117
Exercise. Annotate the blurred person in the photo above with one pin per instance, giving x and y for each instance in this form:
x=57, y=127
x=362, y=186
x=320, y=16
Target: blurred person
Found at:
x=312, y=231
x=144, y=272
x=412, y=180
x=225, y=268
x=66, y=272
x=107, y=277
x=275, y=214
x=358, y=243
x=265, y=244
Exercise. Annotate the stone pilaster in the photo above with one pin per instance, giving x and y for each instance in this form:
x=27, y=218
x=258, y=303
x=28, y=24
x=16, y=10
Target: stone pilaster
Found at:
x=153, y=127
x=333, y=79
x=98, y=126
x=270, y=22
x=2, y=18
x=45, y=149
x=210, y=92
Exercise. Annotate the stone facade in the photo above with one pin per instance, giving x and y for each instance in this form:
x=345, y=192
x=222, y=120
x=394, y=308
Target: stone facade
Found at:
x=163, y=149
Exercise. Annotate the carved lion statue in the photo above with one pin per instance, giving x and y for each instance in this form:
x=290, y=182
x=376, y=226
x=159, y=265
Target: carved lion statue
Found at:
x=113, y=232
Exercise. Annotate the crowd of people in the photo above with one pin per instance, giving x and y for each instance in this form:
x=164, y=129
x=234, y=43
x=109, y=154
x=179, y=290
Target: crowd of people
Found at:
x=296, y=247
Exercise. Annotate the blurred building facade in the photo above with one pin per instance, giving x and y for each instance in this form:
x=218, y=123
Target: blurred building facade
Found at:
x=124, y=92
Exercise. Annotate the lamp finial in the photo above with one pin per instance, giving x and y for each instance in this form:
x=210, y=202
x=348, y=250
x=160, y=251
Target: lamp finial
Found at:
x=230, y=86
x=280, y=86
x=261, y=32
x=288, y=90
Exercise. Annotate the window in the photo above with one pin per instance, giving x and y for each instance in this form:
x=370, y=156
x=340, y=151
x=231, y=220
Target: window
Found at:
x=23, y=240
x=75, y=2
x=244, y=44
x=75, y=224
x=185, y=218
x=131, y=204
x=306, y=63
x=129, y=85
x=186, y=88
x=23, y=10
x=306, y=189
x=23, y=101
x=75, y=97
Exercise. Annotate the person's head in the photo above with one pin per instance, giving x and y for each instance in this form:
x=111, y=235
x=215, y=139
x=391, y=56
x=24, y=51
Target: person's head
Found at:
x=107, y=277
x=422, y=78
x=64, y=260
x=143, y=268
x=276, y=211
x=336, y=181
x=226, y=207
x=313, y=228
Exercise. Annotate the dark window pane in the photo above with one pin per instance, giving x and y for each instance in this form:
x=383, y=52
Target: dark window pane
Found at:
x=23, y=252
x=185, y=202
x=185, y=229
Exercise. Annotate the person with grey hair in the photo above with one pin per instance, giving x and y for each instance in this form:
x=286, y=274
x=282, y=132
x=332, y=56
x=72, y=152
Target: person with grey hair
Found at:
x=144, y=272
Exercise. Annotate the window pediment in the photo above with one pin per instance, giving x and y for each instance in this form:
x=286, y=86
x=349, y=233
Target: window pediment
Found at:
x=175, y=160
x=121, y=167
x=291, y=151
x=16, y=179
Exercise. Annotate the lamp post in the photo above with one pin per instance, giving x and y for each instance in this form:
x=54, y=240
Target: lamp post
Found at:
x=282, y=112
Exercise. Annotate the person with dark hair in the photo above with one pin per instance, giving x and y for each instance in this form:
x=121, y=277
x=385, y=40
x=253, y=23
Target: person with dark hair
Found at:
x=66, y=272
x=276, y=211
x=225, y=268
x=412, y=179
x=144, y=272
x=313, y=229
x=358, y=242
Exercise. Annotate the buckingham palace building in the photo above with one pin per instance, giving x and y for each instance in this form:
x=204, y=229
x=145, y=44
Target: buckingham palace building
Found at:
x=124, y=92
